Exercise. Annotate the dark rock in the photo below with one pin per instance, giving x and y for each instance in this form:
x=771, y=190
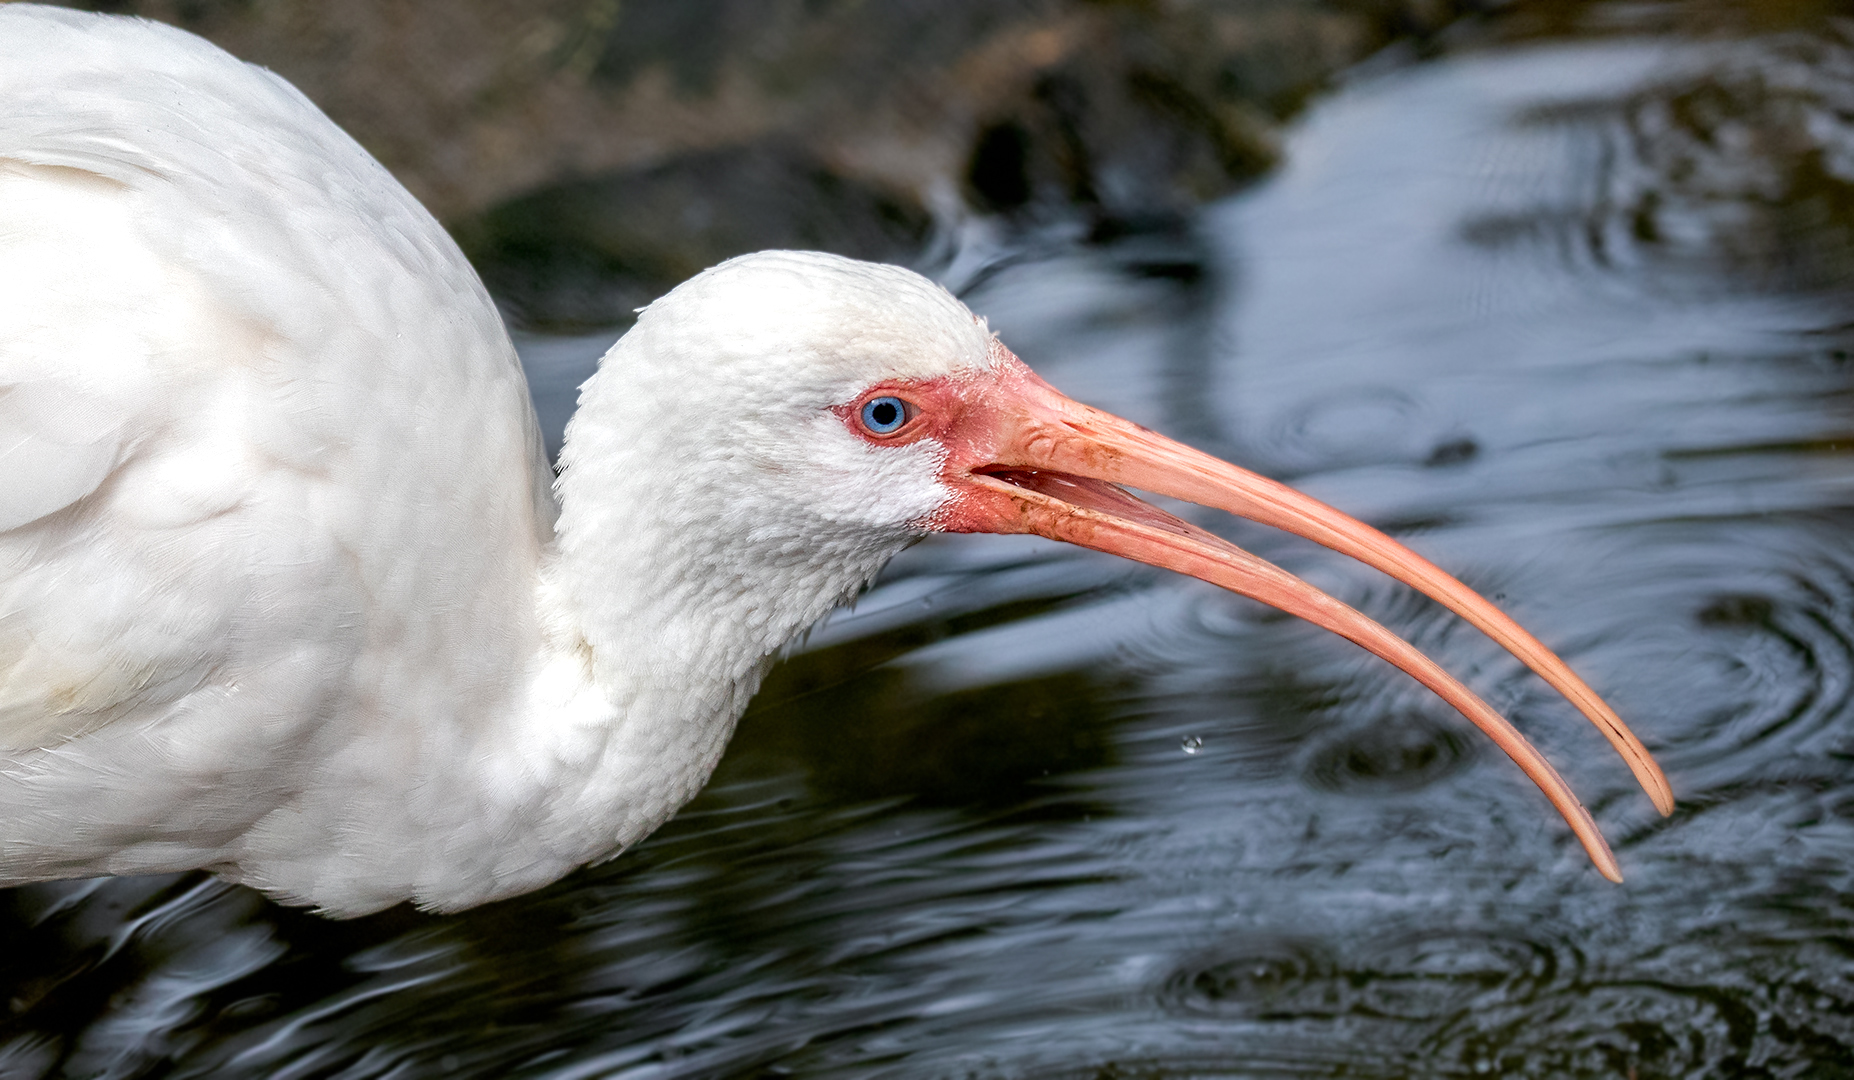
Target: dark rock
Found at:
x=589, y=252
x=1022, y=104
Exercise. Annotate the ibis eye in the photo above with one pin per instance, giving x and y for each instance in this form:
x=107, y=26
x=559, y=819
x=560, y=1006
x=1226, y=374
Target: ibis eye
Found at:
x=884, y=414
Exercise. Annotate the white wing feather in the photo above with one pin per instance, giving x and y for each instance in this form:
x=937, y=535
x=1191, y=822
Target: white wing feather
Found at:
x=271, y=496
x=274, y=513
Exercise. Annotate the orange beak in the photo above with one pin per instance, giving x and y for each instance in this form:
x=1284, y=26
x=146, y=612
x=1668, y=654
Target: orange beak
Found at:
x=1022, y=458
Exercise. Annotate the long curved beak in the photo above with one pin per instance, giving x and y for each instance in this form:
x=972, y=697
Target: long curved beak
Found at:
x=1022, y=458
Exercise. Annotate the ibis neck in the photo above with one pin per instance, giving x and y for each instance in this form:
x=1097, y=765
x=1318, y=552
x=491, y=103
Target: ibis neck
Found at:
x=661, y=608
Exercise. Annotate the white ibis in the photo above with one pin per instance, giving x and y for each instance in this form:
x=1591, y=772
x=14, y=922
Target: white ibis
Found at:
x=288, y=592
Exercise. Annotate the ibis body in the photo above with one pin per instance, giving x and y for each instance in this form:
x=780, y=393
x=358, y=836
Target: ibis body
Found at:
x=288, y=590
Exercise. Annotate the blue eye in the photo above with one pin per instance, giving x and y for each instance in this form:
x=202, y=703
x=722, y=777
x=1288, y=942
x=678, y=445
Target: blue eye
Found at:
x=884, y=414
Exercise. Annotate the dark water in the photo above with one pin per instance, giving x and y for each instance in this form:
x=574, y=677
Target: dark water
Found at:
x=1571, y=319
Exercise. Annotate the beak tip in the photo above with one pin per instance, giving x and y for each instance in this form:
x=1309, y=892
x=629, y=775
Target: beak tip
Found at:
x=1605, y=862
x=1659, y=791
x=1051, y=466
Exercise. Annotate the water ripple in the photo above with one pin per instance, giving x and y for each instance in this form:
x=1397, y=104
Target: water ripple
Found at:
x=1733, y=170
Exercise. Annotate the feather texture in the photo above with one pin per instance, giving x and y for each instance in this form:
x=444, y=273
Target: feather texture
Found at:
x=280, y=587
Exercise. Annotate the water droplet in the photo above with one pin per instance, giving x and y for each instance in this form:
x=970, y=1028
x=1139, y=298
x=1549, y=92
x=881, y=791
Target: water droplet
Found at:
x=1191, y=744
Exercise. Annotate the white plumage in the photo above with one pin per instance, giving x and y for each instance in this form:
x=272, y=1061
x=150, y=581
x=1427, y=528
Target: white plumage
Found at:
x=277, y=585
x=282, y=589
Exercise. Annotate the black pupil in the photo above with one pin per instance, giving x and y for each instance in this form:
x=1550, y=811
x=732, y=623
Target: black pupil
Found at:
x=884, y=413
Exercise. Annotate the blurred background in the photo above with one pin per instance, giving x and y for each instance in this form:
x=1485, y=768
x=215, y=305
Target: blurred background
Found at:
x=1556, y=292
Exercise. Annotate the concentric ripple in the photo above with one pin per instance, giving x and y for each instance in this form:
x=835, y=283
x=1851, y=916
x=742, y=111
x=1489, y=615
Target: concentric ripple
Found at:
x=1397, y=753
x=1475, y=1002
x=1785, y=659
x=1430, y=976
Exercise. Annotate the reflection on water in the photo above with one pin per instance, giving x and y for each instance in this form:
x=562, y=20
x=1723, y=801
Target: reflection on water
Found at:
x=1569, y=318
x=1729, y=169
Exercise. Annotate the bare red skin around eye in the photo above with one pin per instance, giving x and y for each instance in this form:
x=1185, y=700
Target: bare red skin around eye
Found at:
x=973, y=415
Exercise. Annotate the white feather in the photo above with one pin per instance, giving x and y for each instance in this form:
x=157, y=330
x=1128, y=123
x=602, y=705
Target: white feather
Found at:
x=281, y=590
